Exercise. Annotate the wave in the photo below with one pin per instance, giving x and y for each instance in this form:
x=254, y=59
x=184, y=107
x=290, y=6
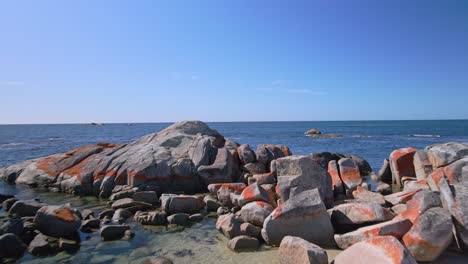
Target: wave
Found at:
x=13, y=144
x=425, y=135
x=55, y=139
x=361, y=136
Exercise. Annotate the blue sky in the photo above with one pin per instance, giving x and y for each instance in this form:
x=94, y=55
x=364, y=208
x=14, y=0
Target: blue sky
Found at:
x=151, y=61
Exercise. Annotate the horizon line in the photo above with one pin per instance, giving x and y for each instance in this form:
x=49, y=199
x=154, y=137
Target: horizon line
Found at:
x=269, y=121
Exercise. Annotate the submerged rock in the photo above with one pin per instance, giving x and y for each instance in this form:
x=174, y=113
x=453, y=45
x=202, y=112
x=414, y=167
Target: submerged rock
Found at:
x=57, y=221
x=243, y=243
x=11, y=246
x=113, y=232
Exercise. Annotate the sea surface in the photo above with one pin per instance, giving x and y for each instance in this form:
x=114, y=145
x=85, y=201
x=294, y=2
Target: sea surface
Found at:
x=201, y=243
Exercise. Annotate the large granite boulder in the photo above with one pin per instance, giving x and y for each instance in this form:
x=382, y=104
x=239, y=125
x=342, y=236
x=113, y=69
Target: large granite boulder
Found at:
x=269, y=152
x=349, y=216
x=381, y=249
x=303, y=215
x=57, y=221
x=297, y=174
x=441, y=155
x=295, y=250
x=422, y=164
x=402, y=164
x=246, y=154
x=337, y=183
x=430, y=235
x=255, y=212
x=350, y=174
x=185, y=156
x=11, y=246
x=420, y=203
x=396, y=228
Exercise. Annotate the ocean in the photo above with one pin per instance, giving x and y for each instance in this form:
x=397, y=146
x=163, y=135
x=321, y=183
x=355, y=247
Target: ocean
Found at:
x=201, y=242
x=372, y=140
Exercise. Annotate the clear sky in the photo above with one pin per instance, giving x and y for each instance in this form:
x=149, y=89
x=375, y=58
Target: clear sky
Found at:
x=151, y=61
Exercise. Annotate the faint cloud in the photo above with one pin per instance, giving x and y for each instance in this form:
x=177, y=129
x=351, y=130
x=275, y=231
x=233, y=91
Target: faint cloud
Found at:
x=265, y=89
x=11, y=83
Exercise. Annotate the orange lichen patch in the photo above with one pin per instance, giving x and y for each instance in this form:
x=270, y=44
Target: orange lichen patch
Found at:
x=79, y=168
x=249, y=192
x=365, y=212
x=262, y=204
x=335, y=175
x=236, y=187
x=391, y=248
x=65, y=214
x=402, y=160
x=277, y=212
x=372, y=232
x=48, y=165
x=413, y=240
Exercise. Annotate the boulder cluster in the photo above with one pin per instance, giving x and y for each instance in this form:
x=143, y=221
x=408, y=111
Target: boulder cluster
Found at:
x=300, y=203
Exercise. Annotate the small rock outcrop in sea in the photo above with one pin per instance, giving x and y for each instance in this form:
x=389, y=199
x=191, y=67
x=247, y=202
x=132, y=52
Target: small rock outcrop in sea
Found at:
x=297, y=202
x=313, y=131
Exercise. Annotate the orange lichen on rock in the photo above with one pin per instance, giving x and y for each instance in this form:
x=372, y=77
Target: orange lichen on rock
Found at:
x=65, y=214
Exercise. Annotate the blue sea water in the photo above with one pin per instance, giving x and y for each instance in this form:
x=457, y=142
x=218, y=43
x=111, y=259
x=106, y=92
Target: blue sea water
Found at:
x=373, y=140
x=201, y=242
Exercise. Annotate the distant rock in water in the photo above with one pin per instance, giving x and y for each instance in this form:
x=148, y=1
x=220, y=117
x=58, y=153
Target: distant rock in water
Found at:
x=315, y=133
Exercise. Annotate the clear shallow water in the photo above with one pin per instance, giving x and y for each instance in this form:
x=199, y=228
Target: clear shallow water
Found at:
x=201, y=243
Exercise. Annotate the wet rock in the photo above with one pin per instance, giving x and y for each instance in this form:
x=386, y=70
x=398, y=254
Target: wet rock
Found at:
x=87, y=214
x=401, y=164
x=313, y=131
x=151, y=218
x=42, y=245
x=222, y=210
x=383, y=188
x=106, y=213
x=430, y=235
x=221, y=169
x=68, y=245
x=443, y=154
x=243, y=243
x=350, y=174
x=129, y=234
x=113, y=232
x=4, y=197
x=212, y=204
x=11, y=246
x=420, y=203
x=295, y=216
x=121, y=192
x=400, y=197
x=337, y=183
x=256, y=212
x=130, y=204
x=196, y=218
x=385, y=173
x=172, y=204
x=396, y=228
x=363, y=195
x=57, y=221
x=25, y=208
x=121, y=215
x=8, y=203
x=146, y=196
x=246, y=154
x=248, y=229
x=254, y=192
x=14, y=226
x=349, y=216
x=158, y=260
x=229, y=225
x=89, y=225
x=295, y=250
x=301, y=173
x=380, y=249
x=178, y=219
x=255, y=168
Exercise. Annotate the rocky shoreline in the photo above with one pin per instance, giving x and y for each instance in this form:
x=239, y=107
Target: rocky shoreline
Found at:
x=302, y=204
